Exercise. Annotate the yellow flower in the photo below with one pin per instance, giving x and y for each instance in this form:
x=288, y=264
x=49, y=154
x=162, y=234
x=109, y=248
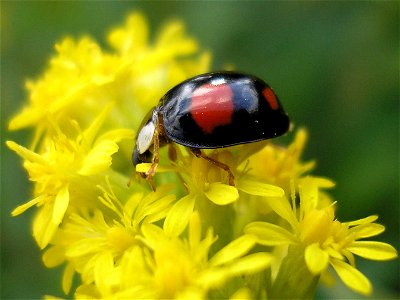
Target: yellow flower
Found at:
x=82, y=78
x=176, y=268
x=127, y=242
x=283, y=163
x=324, y=241
x=86, y=242
x=64, y=172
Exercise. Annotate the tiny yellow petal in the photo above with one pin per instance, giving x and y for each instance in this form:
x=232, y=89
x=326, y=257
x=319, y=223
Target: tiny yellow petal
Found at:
x=251, y=264
x=26, y=153
x=317, y=260
x=281, y=206
x=60, y=205
x=90, y=133
x=270, y=234
x=194, y=229
x=53, y=257
x=366, y=230
x=43, y=227
x=179, y=216
x=22, y=208
x=213, y=277
x=260, y=189
x=117, y=135
x=132, y=36
x=158, y=209
x=324, y=182
x=234, y=249
x=83, y=247
x=67, y=278
x=99, y=158
x=373, y=250
x=221, y=194
x=366, y=220
x=351, y=277
x=154, y=235
x=144, y=167
x=103, y=269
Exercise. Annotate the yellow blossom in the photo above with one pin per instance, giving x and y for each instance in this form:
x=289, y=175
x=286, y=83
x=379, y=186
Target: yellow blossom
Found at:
x=85, y=242
x=283, y=163
x=236, y=231
x=63, y=173
x=175, y=268
x=324, y=240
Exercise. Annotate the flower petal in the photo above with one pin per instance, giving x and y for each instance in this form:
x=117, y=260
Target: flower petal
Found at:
x=117, y=135
x=373, y=250
x=251, y=264
x=351, y=277
x=281, y=206
x=316, y=259
x=144, y=167
x=259, y=188
x=102, y=271
x=367, y=230
x=53, y=257
x=366, y=220
x=99, y=158
x=221, y=194
x=90, y=133
x=67, y=278
x=179, y=216
x=22, y=208
x=60, y=205
x=26, y=153
x=270, y=234
x=153, y=235
x=43, y=227
x=234, y=249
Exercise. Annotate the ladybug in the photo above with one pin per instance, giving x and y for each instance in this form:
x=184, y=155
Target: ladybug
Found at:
x=212, y=110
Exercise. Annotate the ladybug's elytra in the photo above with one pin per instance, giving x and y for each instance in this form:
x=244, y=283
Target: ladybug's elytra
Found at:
x=212, y=110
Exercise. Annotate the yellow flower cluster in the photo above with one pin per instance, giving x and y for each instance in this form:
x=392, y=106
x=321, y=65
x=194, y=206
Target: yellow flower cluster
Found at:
x=272, y=235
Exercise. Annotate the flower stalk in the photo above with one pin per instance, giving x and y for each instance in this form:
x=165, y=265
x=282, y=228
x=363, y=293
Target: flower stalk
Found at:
x=294, y=279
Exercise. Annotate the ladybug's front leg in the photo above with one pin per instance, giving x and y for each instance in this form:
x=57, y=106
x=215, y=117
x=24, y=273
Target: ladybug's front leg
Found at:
x=198, y=153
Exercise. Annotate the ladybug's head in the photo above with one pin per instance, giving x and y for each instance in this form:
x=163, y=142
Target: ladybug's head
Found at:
x=138, y=158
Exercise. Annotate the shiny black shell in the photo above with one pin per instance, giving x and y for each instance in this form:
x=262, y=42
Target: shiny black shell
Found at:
x=221, y=109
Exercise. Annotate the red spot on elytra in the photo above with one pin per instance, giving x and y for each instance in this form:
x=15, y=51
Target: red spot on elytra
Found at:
x=212, y=106
x=269, y=95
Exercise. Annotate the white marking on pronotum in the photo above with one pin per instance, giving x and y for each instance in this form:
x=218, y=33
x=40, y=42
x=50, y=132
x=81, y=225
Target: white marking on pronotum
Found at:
x=218, y=81
x=145, y=137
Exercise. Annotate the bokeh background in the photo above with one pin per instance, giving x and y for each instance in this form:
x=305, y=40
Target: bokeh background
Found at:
x=334, y=65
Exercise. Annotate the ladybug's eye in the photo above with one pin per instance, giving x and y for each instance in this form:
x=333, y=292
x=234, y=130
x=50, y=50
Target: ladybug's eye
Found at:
x=145, y=137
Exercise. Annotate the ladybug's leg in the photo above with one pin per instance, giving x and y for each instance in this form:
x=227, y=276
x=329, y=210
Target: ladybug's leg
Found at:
x=199, y=154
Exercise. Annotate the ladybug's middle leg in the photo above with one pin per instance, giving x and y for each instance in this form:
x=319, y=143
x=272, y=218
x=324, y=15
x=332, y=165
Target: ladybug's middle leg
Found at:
x=198, y=153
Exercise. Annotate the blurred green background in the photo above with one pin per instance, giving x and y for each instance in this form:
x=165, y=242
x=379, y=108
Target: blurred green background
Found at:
x=334, y=65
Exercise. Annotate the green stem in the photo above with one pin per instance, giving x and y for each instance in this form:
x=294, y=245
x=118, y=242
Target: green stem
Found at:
x=294, y=280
